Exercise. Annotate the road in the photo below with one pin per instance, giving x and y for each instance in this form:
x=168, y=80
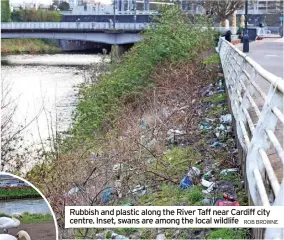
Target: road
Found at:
x=268, y=53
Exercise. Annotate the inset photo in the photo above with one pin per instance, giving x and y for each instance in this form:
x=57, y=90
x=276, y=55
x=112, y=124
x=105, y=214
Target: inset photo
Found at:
x=24, y=212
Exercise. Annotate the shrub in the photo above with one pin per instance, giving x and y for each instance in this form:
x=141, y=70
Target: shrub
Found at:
x=174, y=38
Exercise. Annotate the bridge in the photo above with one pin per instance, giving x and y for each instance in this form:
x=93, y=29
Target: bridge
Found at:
x=100, y=32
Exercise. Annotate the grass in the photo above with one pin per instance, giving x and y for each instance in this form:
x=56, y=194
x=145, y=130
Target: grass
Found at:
x=18, y=193
x=216, y=98
x=228, y=233
x=172, y=195
x=31, y=46
x=28, y=218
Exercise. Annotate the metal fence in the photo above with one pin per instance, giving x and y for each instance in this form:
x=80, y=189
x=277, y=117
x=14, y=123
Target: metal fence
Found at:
x=256, y=99
x=71, y=25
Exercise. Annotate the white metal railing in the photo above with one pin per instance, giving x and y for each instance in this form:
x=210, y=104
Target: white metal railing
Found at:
x=256, y=98
x=71, y=25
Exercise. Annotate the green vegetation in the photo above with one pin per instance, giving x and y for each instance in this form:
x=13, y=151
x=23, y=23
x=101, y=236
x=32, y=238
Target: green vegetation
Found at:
x=172, y=195
x=5, y=11
x=174, y=39
x=18, y=193
x=17, y=46
x=28, y=218
x=125, y=231
x=212, y=59
x=175, y=162
x=33, y=15
x=216, y=98
x=228, y=233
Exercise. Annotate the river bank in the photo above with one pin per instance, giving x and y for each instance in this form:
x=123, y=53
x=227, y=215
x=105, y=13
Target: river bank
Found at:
x=6, y=194
x=30, y=46
x=153, y=118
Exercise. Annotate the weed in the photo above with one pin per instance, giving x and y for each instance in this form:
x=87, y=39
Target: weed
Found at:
x=228, y=233
x=216, y=98
x=212, y=59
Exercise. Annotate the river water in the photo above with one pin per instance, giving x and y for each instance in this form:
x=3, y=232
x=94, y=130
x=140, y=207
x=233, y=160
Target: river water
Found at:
x=24, y=205
x=44, y=90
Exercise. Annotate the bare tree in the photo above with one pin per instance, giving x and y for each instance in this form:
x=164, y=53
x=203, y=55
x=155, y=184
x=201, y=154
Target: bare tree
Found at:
x=12, y=147
x=223, y=8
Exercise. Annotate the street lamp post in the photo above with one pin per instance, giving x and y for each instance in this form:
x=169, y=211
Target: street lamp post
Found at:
x=114, y=13
x=245, y=32
x=135, y=13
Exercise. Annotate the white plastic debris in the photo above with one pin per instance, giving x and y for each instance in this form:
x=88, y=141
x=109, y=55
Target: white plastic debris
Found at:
x=226, y=118
x=194, y=171
x=221, y=127
x=176, y=132
x=210, y=189
x=72, y=191
x=206, y=183
x=226, y=171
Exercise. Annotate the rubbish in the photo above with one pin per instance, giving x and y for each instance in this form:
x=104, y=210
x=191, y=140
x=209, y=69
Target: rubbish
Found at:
x=176, y=132
x=194, y=171
x=72, y=191
x=233, y=151
x=217, y=134
x=205, y=125
x=149, y=160
x=208, y=175
x=225, y=172
x=226, y=118
x=106, y=194
x=207, y=201
x=225, y=186
x=127, y=204
x=152, y=143
x=121, y=166
x=100, y=236
x=160, y=236
x=222, y=202
x=138, y=190
x=217, y=144
x=199, y=161
x=186, y=182
x=221, y=127
x=93, y=156
x=165, y=112
x=229, y=129
x=116, y=236
x=206, y=90
x=229, y=197
x=143, y=124
x=210, y=189
x=210, y=185
x=210, y=119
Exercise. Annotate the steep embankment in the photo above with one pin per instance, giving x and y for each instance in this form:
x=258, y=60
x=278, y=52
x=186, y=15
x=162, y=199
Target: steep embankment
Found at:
x=152, y=117
x=31, y=46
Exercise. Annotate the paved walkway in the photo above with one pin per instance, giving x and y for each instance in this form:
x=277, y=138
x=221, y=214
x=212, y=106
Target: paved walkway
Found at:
x=269, y=54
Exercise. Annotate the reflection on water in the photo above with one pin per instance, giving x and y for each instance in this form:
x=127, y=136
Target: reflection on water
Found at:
x=45, y=89
x=51, y=60
x=25, y=205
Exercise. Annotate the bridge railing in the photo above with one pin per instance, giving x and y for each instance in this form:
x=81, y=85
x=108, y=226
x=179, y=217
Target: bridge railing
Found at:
x=256, y=100
x=70, y=25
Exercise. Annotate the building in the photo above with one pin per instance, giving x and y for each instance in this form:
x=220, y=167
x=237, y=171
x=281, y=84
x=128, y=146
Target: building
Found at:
x=264, y=7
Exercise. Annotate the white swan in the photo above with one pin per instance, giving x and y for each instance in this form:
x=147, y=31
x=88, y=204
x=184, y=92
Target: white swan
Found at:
x=22, y=235
x=6, y=222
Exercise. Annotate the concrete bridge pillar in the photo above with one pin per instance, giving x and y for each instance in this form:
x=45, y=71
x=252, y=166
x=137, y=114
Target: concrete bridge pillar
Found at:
x=117, y=51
